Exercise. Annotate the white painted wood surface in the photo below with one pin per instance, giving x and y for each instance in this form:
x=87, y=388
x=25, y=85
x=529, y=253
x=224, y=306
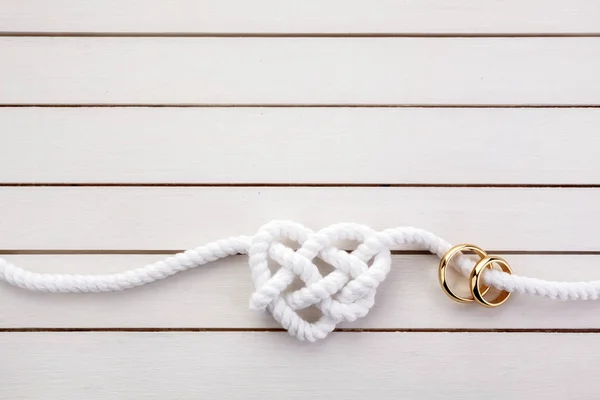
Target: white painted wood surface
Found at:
x=176, y=218
x=279, y=161
x=308, y=16
x=244, y=365
x=451, y=71
x=301, y=145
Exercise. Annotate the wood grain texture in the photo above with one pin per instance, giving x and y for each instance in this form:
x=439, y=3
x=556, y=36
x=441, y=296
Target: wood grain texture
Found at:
x=216, y=296
x=151, y=218
x=300, y=145
x=273, y=365
x=312, y=16
x=449, y=71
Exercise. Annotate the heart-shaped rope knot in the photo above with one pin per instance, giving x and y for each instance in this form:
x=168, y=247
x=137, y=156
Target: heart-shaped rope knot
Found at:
x=346, y=294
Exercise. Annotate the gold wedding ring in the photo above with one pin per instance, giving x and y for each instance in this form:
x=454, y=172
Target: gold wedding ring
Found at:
x=475, y=279
x=478, y=290
x=444, y=266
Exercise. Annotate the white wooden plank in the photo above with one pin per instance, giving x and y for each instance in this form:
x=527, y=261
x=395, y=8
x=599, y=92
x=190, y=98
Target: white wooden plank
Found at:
x=185, y=217
x=488, y=71
x=216, y=296
x=275, y=366
x=300, y=145
x=312, y=16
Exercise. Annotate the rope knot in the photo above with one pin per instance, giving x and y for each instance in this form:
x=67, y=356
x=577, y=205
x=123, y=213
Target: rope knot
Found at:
x=345, y=294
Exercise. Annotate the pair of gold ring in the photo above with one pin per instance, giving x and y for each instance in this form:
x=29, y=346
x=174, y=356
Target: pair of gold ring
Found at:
x=478, y=291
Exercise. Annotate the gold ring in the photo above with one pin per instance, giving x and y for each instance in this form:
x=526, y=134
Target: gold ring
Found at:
x=488, y=261
x=444, y=265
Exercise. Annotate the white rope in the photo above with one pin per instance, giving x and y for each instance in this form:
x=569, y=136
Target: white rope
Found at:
x=345, y=294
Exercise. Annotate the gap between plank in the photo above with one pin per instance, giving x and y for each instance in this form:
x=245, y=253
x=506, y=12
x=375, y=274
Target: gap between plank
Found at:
x=316, y=185
x=349, y=35
x=286, y=105
x=342, y=330
x=165, y=252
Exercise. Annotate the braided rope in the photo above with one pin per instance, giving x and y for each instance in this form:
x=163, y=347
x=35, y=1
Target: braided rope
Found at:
x=346, y=294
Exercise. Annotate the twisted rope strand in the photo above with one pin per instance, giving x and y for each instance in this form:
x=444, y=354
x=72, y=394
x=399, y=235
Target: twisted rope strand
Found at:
x=76, y=283
x=346, y=294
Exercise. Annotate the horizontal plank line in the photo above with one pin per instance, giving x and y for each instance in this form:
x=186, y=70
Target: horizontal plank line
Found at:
x=345, y=330
x=288, y=105
x=48, y=252
x=307, y=185
x=349, y=35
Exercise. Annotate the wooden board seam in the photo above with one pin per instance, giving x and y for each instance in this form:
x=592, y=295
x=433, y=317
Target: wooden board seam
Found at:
x=287, y=105
x=306, y=185
x=293, y=35
x=44, y=252
x=341, y=330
